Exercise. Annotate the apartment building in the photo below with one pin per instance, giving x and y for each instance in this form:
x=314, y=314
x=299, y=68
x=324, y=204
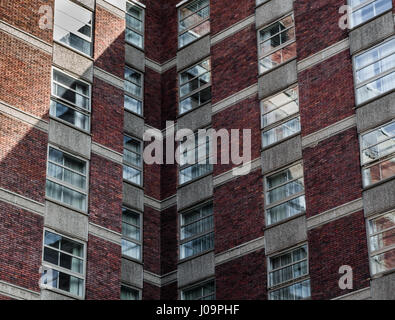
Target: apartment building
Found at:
x=83, y=216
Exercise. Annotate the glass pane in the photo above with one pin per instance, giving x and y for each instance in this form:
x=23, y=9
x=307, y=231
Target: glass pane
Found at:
x=197, y=245
x=131, y=249
x=69, y=115
x=285, y=191
x=281, y=132
x=129, y=294
x=51, y=256
x=72, y=247
x=194, y=33
x=383, y=262
x=378, y=172
x=131, y=174
x=52, y=239
x=286, y=210
x=134, y=38
x=70, y=284
x=194, y=229
x=133, y=105
x=284, y=176
x=71, y=263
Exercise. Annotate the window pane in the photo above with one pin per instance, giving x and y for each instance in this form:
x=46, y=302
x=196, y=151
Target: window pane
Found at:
x=134, y=38
x=281, y=132
x=131, y=174
x=368, y=11
x=69, y=115
x=131, y=249
x=383, y=262
x=133, y=105
x=198, y=245
x=129, y=294
x=286, y=210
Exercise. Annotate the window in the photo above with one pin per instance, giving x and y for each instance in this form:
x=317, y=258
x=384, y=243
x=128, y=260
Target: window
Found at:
x=64, y=262
x=197, y=231
x=364, y=10
x=382, y=242
x=133, y=162
x=287, y=275
x=204, y=291
x=128, y=293
x=277, y=43
x=73, y=26
x=195, y=86
x=374, y=71
x=134, y=25
x=193, y=21
x=71, y=100
x=280, y=116
x=195, y=161
x=67, y=179
x=131, y=234
x=378, y=154
x=285, y=194
x=133, y=91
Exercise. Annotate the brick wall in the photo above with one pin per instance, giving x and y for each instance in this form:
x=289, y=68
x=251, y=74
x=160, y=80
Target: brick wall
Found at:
x=151, y=240
x=103, y=279
x=169, y=292
x=239, y=218
x=21, y=234
x=151, y=292
x=105, y=196
x=23, y=154
x=169, y=244
x=332, y=173
x=107, y=115
x=326, y=93
x=341, y=242
x=234, y=64
x=243, y=278
x=25, y=76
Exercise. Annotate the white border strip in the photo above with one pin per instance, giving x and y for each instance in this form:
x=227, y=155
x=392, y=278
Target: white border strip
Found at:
x=237, y=27
x=235, y=98
x=16, y=292
x=107, y=153
x=104, y=233
x=22, y=202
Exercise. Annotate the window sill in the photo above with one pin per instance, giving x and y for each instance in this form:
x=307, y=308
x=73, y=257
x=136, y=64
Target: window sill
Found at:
x=140, y=262
x=273, y=225
x=75, y=50
x=194, y=180
x=194, y=41
x=276, y=67
x=85, y=213
x=181, y=261
x=369, y=20
x=378, y=183
x=135, y=114
x=362, y=104
x=133, y=184
x=70, y=125
x=180, y=115
x=382, y=274
x=279, y=142
x=63, y=293
x=136, y=47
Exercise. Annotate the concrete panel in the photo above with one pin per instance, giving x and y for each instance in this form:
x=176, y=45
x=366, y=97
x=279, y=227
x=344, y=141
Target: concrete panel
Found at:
x=277, y=80
x=196, y=269
x=282, y=154
x=71, y=139
x=193, y=53
x=376, y=113
x=195, y=119
x=132, y=273
x=133, y=196
x=372, y=32
x=285, y=235
x=134, y=125
x=272, y=11
x=51, y=295
x=379, y=198
x=134, y=57
x=73, y=62
x=66, y=221
x=88, y=3
x=383, y=288
x=195, y=192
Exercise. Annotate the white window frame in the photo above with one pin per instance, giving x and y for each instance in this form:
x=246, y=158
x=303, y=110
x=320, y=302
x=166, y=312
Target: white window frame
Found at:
x=65, y=184
x=371, y=79
x=48, y=265
x=133, y=96
x=196, y=286
x=360, y=6
x=141, y=33
x=141, y=169
x=82, y=36
x=180, y=33
x=285, y=200
x=196, y=91
x=199, y=235
x=379, y=160
x=131, y=288
x=283, y=121
x=280, y=47
x=182, y=167
x=293, y=281
x=372, y=253
x=138, y=242
x=86, y=112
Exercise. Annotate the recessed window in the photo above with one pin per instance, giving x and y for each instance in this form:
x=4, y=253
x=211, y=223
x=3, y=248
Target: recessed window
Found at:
x=378, y=154
x=135, y=25
x=195, y=159
x=364, y=10
x=197, y=231
x=374, y=71
x=73, y=26
x=195, y=86
x=287, y=275
x=277, y=43
x=134, y=91
x=193, y=21
x=204, y=291
x=382, y=242
x=128, y=293
x=284, y=194
x=280, y=116
x=133, y=160
x=131, y=234
x=67, y=179
x=71, y=100
x=64, y=262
